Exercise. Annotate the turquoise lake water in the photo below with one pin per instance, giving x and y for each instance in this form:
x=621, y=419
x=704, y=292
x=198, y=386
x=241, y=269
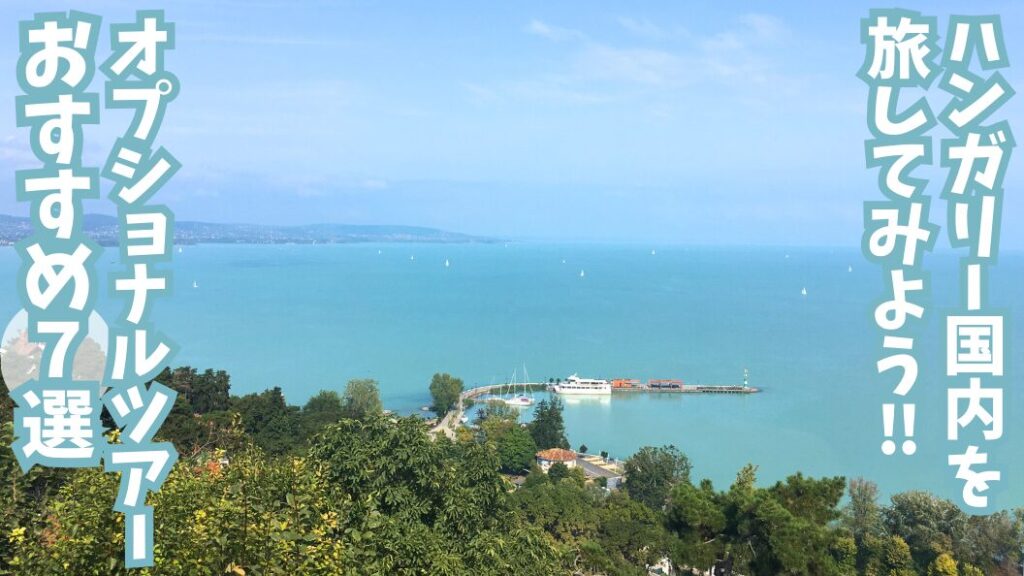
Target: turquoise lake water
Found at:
x=307, y=318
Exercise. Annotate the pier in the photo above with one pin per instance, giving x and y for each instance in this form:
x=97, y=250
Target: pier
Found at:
x=453, y=419
x=498, y=389
x=692, y=389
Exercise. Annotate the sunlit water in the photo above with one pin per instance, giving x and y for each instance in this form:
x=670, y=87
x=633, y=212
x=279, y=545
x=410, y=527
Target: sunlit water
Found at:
x=307, y=318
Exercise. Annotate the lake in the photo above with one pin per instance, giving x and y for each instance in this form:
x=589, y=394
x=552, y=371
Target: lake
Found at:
x=311, y=317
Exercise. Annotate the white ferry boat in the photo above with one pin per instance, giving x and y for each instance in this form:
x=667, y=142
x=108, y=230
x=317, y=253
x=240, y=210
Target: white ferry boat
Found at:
x=576, y=385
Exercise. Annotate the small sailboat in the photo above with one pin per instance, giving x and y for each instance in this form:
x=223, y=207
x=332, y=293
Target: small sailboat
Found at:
x=803, y=291
x=179, y=250
x=653, y=252
x=378, y=252
x=447, y=263
x=195, y=284
x=518, y=400
x=563, y=260
x=849, y=268
x=411, y=258
x=582, y=274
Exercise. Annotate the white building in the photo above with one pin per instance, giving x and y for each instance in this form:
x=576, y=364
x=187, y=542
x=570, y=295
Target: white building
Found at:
x=545, y=458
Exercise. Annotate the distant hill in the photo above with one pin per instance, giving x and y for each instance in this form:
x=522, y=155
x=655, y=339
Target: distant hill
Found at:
x=104, y=230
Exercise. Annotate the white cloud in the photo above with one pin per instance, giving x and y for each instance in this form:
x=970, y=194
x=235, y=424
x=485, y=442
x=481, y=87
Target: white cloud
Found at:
x=545, y=30
x=737, y=60
x=631, y=65
x=765, y=27
x=643, y=27
x=260, y=40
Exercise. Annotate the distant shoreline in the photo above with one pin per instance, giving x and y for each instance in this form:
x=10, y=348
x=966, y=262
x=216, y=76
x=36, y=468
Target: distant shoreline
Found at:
x=105, y=230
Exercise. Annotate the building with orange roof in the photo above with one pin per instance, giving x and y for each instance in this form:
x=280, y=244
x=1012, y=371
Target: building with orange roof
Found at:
x=545, y=458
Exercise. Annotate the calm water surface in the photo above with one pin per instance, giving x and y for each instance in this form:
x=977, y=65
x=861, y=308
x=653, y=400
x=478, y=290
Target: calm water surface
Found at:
x=307, y=318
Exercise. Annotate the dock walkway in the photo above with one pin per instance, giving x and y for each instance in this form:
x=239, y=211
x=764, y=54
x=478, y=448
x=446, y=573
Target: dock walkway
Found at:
x=452, y=419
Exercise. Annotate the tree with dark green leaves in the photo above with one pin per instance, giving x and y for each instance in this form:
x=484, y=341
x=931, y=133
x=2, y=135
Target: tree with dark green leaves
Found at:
x=323, y=408
x=211, y=392
x=696, y=516
x=631, y=533
x=361, y=399
x=563, y=509
x=274, y=425
x=862, y=517
x=993, y=543
x=652, y=472
x=499, y=425
x=445, y=390
x=536, y=477
x=516, y=450
x=439, y=507
x=547, y=427
x=205, y=393
x=928, y=524
x=557, y=472
x=379, y=495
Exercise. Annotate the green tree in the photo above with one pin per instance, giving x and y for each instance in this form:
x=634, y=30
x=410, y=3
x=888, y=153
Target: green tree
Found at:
x=558, y=471
x=445, y=390
x=652, y=472
x=536, y=477
x=898, y=560
x=547, y=427
x=929, y=525
x=696, y=517
x=993, y=543
x=632, y=534
x=563, y=509
x=499, y=425
x=516, y=450
x=211, y=392
x=323, y=408
x=361, y=399
x=274, y=425
x=862, y=515
x=971, y=570
x=943, y=565
x=426, y=506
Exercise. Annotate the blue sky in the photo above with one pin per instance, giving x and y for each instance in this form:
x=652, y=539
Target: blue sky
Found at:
x=662, y=122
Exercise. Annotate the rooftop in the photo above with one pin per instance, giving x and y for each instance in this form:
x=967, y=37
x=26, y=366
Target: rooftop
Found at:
x=556, y=455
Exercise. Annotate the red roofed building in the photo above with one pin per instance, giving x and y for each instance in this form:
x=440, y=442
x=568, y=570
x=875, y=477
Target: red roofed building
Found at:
x=545, y=458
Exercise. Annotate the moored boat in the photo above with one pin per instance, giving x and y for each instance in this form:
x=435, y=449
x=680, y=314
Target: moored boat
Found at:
x=576, y=385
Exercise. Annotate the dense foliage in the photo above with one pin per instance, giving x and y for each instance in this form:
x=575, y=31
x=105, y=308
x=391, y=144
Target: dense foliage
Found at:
x=339, y=487
x=547, y=427
x=444, y=392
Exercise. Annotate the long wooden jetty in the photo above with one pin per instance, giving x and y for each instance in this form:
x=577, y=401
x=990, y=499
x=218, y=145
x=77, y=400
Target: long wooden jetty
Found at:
x=692, y=389
x=453, y=419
